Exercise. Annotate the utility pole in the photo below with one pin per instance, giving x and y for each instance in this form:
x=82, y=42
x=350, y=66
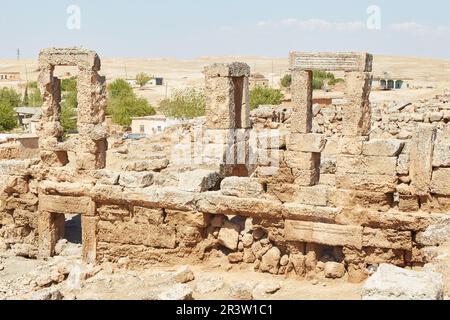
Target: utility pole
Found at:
x=18, y=54
x=167, y=85
x=272, y=75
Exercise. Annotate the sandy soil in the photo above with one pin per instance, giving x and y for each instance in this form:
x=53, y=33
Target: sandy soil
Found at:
x=180, y=73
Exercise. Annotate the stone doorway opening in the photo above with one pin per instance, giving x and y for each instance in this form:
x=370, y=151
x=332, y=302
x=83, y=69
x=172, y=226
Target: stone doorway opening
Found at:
x=72, y=229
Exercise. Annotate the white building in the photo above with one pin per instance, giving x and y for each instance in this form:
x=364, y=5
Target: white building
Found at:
x=151, y=125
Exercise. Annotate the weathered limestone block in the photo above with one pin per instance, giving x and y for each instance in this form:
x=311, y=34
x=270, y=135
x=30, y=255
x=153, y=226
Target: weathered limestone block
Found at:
x=114, y=213
x=215, y=203
x=376, y=183
x=435, y=234
x=273, y=139
x=50, y=229
x=402, y=221
x=302, y=160
x=285, y=192
x=441, y=155
x=296, y=211
x=143, y=215
x=388, y=239
x=89, y=238
x=366, y=165
x=334, y=61
x=408, y=203
x=325, y=234
x=198, y=181
x=67, y=205
x=187, y=218
x=136, y=179
x=107, y=177
x=421, y=159
x=366, y=199
x=153, y=197
x=334, y=270
x=130, y=233
x=270, y=262
x=357, y=113
x=229, y=235
x=351, y=145
x=393, y=283
x=305, y=177
x=146, y=165
x=327, y=179
x=315, y=196
x=301, y=88
x=227, y=96
x=306, y=142
x=403, y=164
x=241, y=187
x=83, y=58
x=383, y=148
x=440, y=183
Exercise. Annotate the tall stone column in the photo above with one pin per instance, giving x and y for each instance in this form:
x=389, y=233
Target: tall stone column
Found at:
x=302, y=95
x=357, y=113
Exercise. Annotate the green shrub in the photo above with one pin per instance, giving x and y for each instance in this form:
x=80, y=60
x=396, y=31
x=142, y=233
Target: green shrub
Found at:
x=69, y=84
x=119, y=88
x=265, y=96
x=286, y=81
x=142, y=79
x=184, y=104
x=10, y=97
x=124, y=108
x=8, y=117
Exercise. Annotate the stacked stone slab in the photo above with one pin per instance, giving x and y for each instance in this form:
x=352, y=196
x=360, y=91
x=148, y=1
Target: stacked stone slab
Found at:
x=90, y=146
x=228, y=114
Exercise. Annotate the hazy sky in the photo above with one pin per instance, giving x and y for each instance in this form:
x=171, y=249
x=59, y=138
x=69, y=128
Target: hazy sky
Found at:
x=191, y=28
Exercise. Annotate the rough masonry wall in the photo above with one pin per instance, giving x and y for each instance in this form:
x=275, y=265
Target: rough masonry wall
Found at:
x=310, y=206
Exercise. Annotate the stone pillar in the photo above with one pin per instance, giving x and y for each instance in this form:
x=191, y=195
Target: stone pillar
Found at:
x=91, y=144
x=50, y=130
x=302, y=95
x=50, y=229
x=357, y=113
x=89, y=238
x=421, y=162
x=227, y=96
x=91, y=118
x=302, y=155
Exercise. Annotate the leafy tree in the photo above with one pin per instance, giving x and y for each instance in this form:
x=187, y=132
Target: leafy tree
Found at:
x=69, y=106
x=142, y=79
x=10, y=97
x=286, y=81
x=33, y=85
x=319, y=78
x=262, y=95
x=119, y=88
x=124, y=108
x=8, y=117
x=69, y=84
x=35, y=98
x=184, y=104
x=69, y=113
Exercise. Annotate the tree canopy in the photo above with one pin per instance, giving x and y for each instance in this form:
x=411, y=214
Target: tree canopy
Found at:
x=142, y=79
x=265, y=96
x=184, y=104
x=123, y=104
x=8, y=117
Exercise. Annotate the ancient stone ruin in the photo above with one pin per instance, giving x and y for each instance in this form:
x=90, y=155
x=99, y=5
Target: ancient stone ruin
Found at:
x=285, y=200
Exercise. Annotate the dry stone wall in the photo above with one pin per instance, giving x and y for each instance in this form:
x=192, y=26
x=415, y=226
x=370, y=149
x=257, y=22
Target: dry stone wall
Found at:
x=297, y=203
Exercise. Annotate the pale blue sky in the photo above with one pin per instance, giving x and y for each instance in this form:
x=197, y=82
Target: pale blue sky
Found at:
x=191, y=28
